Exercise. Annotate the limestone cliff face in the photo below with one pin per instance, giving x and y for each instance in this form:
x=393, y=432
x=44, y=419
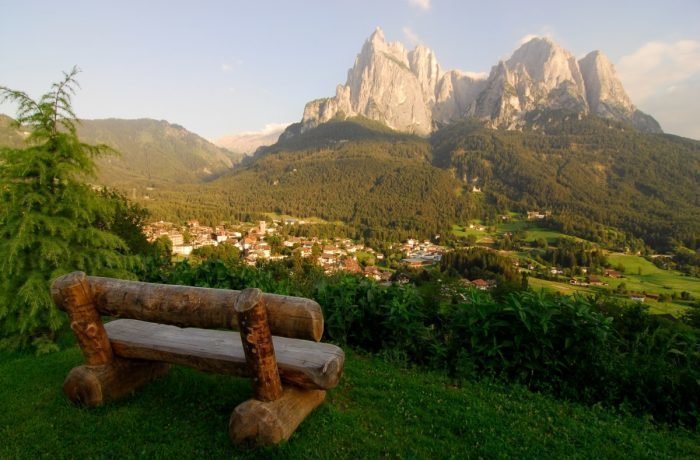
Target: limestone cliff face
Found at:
x=605, y=95
x=539, y=75
x=381, y=86
x=408, y=91
x=425, y=67
x=456, y=92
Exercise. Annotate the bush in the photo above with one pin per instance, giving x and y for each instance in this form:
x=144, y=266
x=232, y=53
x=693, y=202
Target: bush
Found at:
x=545, y=342
x=594, y=350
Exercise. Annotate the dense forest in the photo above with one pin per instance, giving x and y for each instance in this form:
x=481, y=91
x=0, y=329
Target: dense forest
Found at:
x=587, y=172
x=601, y=180
x=381, y=185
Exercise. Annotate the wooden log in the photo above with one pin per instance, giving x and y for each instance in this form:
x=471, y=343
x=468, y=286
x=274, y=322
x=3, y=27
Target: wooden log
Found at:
x=72, y=294
x=264, y=423
x=294, y=317
x=302, y=363
x=257, y=344
x=95, y=385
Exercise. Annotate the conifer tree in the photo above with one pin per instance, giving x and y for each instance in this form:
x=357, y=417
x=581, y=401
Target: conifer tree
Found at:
x=51, y=221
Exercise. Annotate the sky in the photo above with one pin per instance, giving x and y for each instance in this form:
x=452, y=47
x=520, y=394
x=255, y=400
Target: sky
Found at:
x=222, y=67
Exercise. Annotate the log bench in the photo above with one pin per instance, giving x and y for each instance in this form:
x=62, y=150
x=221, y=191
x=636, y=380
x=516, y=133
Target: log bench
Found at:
x=159, y=325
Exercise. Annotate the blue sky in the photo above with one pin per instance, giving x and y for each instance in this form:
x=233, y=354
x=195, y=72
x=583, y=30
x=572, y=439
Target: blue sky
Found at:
x=220, y=67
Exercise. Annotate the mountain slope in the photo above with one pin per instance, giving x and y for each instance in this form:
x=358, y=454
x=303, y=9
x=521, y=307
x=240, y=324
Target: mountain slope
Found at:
x=378, y=182
x=148, y=152
x=10, y=135
x=588, y=172
x=595, y=175
x=152, y=152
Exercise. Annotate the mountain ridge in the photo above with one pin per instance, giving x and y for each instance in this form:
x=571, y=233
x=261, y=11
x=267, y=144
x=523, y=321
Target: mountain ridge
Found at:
x=148, y=152
x=408, y=90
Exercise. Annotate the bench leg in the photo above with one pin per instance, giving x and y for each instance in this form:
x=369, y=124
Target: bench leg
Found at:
x=270, y=422
x=95, y=385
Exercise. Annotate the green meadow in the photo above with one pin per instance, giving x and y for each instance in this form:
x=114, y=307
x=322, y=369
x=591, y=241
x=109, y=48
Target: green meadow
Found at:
x=378, y=411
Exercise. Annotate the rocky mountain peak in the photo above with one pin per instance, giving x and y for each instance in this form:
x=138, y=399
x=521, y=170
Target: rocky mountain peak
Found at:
x=408, y=91
x=603, y=88
x=425, y=67
x=546, y=62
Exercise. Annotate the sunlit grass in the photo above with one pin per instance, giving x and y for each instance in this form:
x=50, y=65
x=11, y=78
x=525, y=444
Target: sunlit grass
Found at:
x=377, y=411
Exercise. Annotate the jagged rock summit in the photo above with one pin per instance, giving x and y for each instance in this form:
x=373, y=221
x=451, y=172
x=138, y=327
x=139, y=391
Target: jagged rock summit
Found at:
x=409, y=92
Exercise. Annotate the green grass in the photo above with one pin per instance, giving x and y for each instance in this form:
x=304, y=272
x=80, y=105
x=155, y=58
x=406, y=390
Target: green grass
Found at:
x=564, y=288
x=377, y=411
x=642, y=275
x=655, y=308
x=532, y=231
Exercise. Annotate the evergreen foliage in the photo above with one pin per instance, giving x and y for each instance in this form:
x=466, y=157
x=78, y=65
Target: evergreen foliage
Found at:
x=596, y=350
x=590, y=173
x=51, y=222
x=153, y=154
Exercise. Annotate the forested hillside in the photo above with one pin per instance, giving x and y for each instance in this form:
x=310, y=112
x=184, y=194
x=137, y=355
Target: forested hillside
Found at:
x=146, y=153
x=587, y=172
x=379, y=183
x=10, y=135
x=154, y=153
x=594, y=175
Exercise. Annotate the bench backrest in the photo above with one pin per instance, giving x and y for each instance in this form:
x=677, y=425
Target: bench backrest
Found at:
x=186, y=306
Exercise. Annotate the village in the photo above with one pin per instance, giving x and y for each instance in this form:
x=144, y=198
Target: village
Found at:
x=271, y=240
x=254, y=244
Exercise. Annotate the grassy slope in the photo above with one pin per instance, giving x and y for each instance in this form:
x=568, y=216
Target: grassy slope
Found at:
x=377, y=411
x=640, y=274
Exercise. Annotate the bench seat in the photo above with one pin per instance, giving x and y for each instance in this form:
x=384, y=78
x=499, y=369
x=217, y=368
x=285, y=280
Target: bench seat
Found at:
x=302, y=363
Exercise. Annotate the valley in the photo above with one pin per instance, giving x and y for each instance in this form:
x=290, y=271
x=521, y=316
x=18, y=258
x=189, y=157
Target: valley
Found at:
x=523, y=233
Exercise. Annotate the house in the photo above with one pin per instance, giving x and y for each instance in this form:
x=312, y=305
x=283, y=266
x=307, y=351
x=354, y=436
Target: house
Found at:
x=593, y=280
x=612, y=273
x=219, y=237
x=349, y=264
x=182, y=249
x=481, y=285
x=176, y=238
x=373, y=272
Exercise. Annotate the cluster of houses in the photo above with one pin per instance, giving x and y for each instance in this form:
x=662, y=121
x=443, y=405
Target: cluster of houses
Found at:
x=333, y=255
x=421, y=253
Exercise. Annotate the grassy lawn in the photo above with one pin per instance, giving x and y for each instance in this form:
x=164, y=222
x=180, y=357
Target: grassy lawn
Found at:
x=568, y=289
x=532, y=231
x=564, y=288
x=642, y=275
x=377, y=411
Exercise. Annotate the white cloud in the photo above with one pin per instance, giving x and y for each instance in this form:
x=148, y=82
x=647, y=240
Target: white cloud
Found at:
x=273, y=127
x=422, y=4
x=663, y=79
x=527, y=38
x=544, y=32
x=411, y=36
x=475, y=75
x=658, y=66
x=227, y=67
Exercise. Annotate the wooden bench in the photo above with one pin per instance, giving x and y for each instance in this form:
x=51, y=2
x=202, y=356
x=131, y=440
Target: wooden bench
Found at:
x=161, y=325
